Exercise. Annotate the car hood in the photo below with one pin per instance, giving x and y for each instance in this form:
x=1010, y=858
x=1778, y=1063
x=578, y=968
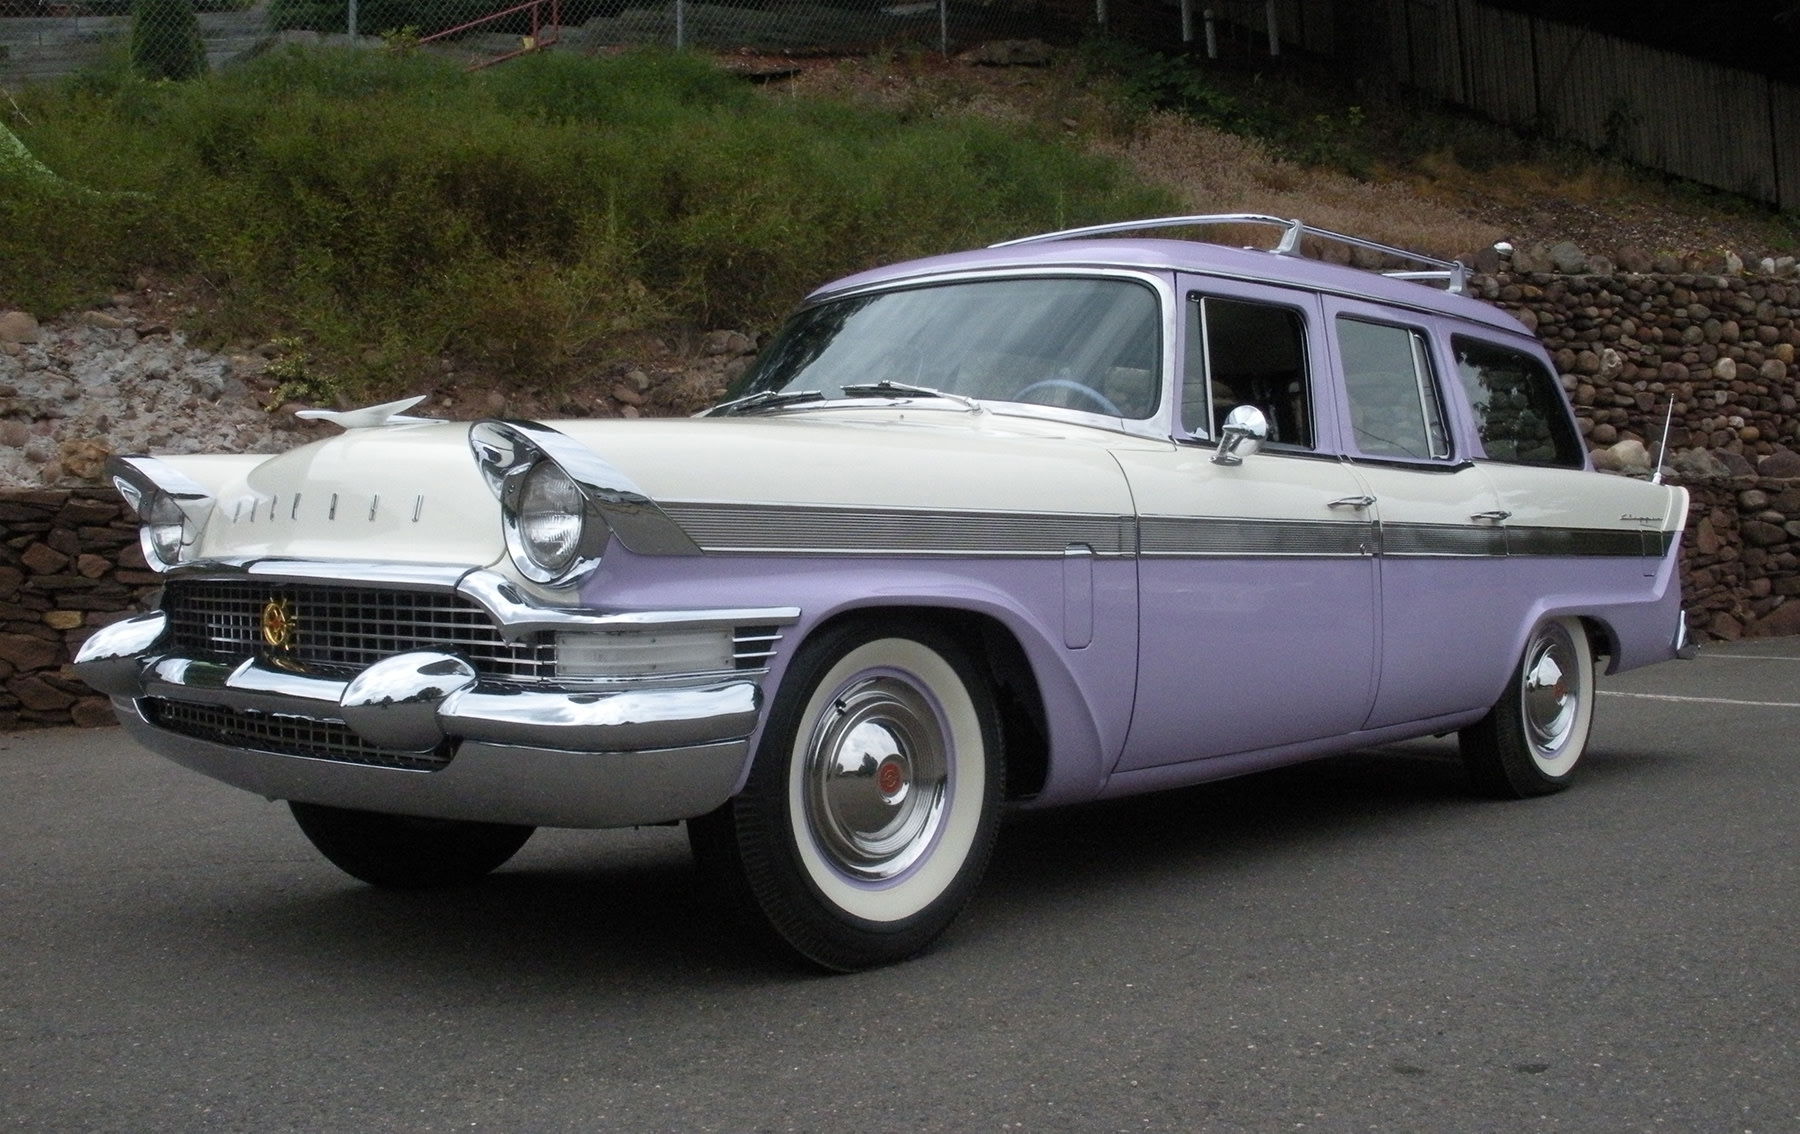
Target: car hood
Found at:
x=400, y=493
x=413, y=493
x=918, y=459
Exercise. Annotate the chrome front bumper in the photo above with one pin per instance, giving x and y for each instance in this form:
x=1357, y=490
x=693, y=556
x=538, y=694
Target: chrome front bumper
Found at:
x=619, y=753
x=536, y=787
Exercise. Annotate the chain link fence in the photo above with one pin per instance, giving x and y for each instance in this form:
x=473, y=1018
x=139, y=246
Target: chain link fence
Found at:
x=42, y=40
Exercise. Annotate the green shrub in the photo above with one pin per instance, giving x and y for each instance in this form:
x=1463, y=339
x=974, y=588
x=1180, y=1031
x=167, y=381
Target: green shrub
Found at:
x=165, y=40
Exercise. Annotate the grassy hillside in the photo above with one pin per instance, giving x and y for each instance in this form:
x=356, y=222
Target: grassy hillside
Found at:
x=394, y=214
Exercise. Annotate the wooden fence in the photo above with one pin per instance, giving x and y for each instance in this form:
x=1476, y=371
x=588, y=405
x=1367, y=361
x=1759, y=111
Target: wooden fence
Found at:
x=1732, y=129
x=1720, y=126
x=45, y=47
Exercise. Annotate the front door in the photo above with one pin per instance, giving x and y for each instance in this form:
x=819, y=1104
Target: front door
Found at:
x=1257, y=580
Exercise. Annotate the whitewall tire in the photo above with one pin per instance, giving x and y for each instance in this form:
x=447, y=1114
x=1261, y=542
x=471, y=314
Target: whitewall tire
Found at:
x=1531, y=741
x=873, y=802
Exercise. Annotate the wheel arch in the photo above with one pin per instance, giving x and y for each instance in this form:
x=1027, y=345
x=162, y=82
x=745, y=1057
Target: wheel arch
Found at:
x=1602, y=638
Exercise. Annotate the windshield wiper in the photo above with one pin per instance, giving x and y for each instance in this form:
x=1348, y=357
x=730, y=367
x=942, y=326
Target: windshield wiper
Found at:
x=763, y=399
x=884, y=388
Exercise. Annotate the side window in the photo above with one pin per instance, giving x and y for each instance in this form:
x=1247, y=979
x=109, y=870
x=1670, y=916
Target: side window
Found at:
x=1394, y=406
x=1520, y=414
x=1244, y=353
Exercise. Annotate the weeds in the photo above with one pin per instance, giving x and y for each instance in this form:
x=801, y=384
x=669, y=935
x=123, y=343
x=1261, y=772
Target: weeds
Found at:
x=295, y=380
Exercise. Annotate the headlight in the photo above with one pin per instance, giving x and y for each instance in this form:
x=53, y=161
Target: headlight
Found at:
x=171, y=508
x=560, y=503
x=551, y=517
x=165, y=528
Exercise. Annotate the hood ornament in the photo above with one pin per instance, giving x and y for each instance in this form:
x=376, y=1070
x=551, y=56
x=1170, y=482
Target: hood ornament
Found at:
x=368, y=417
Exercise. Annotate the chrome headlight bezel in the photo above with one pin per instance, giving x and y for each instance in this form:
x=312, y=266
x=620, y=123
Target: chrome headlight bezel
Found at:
x=511, y=454
x=171, y=508
x=164, y=532
x=552, y=532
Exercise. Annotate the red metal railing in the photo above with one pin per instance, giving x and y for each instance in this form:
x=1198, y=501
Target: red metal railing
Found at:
x=543, y=33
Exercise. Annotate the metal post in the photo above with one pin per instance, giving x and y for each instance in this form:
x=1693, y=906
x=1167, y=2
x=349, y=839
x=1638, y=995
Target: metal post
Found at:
x=352, y=23
x=1274, y=28
x=1187, y=21
x=1212, y=35
x=680, y=24
x=1100, y=12
x=944, y=28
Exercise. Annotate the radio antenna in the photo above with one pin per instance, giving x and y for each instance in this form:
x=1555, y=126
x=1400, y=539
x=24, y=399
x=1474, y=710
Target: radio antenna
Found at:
x=1662, y=450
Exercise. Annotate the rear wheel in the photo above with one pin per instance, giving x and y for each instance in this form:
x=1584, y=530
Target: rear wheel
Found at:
x=405, y=851
x=873, y=802
x=1529, y=743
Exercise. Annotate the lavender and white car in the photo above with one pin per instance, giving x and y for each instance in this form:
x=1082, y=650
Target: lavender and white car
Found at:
x=1065, y=519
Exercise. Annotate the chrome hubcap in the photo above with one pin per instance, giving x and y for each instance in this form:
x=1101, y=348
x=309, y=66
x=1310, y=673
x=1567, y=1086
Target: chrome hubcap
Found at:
x=877, y=773
x=1552, y=691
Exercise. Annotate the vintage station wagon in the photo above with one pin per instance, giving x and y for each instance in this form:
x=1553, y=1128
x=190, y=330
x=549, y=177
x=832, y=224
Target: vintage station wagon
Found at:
x=1069, y=518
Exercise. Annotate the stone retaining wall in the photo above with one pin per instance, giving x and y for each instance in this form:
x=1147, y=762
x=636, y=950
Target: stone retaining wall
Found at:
x=69, y=563
x=1719, y=347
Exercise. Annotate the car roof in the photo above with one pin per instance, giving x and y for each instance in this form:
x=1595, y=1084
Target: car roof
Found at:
x=1160, y=254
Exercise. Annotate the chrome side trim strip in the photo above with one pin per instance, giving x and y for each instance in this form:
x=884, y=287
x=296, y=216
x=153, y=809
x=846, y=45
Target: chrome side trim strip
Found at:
x=1181, y=536
x=1577, y=542
x=828, y=530
x=1433, y=541
x=763, y=529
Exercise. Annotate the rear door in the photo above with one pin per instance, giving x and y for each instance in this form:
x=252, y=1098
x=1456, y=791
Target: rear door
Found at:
x=1440, y=528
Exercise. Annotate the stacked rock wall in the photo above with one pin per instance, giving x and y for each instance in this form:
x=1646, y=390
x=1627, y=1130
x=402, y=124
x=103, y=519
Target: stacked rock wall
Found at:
x=1720, y=349
x=69, y=563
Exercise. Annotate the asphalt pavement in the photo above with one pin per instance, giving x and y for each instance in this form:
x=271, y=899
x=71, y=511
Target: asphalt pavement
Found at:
x=1352, y=945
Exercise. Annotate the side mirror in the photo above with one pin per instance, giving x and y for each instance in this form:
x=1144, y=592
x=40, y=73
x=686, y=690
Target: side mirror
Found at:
x=1245, y=430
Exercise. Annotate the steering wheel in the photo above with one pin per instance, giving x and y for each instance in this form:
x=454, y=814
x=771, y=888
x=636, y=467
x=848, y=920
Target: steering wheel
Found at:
x=1105, y=403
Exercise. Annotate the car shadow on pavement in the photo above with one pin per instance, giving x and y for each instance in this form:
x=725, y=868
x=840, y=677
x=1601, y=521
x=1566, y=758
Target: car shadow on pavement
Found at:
x=1326, y=807
x=579, y=907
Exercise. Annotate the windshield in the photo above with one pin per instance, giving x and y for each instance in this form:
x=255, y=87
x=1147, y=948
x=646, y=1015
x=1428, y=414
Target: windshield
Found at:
x=1082, y=344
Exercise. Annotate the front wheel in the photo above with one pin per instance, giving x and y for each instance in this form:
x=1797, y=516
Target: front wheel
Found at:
x=873, y=801
x=405, y=852
x=1529, y=743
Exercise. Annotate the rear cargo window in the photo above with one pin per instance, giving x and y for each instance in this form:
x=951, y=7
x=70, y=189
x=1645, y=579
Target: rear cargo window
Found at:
x=1520, y=415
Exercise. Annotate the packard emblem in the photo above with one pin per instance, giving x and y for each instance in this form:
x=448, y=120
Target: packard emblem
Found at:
x=278, y=626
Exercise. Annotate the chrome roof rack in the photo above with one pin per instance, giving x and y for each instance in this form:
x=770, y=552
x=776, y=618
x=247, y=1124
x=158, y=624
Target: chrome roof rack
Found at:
x=1453, y=274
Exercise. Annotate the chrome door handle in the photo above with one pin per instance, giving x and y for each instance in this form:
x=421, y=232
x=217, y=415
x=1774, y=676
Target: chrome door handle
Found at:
x=1493, y=517
x=1352, y=502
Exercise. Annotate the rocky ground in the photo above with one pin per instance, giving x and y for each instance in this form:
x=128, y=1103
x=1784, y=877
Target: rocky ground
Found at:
x=121, y=379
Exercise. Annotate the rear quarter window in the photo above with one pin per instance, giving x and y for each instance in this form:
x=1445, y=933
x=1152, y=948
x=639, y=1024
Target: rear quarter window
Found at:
x=1520, y=415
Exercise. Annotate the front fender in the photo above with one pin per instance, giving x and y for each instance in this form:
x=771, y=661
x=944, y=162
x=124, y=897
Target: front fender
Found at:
x=1087, y=691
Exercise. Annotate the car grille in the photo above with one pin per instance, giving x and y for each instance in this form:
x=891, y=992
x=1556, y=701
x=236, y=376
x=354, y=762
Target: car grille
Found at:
x=339, y=631
x=290, y=736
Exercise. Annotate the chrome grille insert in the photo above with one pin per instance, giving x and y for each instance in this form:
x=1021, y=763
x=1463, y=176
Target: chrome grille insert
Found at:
x=288, y=736
x=753, y=646
x=339, y=631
